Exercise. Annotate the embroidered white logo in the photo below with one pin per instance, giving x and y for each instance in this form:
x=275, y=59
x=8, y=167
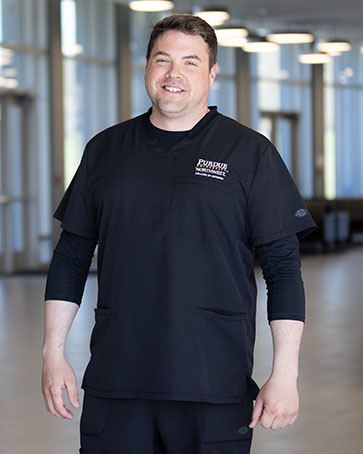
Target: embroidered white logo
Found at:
x=211, y=169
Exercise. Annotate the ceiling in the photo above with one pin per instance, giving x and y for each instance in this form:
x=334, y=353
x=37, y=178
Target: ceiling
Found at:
x=325, y=18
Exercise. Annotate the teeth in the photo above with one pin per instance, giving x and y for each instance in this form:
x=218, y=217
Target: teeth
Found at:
x=173, y=89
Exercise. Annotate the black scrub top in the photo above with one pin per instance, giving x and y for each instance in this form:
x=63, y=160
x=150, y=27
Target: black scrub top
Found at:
x=176, y=231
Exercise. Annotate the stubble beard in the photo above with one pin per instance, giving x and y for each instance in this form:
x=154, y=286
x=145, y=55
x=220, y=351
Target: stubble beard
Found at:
x=169, y=108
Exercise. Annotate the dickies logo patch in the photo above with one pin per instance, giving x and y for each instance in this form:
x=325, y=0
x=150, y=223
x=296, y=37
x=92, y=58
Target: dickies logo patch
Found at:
x=211, y=169
x=300, y=213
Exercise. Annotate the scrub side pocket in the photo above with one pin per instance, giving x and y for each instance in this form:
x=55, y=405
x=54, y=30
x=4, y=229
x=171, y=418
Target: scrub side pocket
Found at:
x=102, y=319
x=102, y=348
x=221, y=338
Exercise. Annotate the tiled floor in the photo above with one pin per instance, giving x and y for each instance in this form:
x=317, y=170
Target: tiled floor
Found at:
x=331, y=366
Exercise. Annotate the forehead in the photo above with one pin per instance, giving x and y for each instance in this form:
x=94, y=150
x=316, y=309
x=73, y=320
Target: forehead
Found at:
x=177, y=42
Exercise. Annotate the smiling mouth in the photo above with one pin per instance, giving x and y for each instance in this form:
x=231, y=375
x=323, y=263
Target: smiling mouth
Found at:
x=172, y=89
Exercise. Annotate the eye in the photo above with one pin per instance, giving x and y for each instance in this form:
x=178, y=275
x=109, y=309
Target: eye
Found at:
x=191, y=63
x=162, y=60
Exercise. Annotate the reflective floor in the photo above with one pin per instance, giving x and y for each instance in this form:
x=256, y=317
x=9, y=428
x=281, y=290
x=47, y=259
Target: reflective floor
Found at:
x=331, y=366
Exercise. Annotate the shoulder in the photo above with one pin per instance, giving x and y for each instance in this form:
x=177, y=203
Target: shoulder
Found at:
x=245, y=147
x=109, y=135
x=245, y=135
x=114, y=137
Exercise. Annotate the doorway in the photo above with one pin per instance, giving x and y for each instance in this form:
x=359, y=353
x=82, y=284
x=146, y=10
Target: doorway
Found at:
x=18, y=242
x=282, y=129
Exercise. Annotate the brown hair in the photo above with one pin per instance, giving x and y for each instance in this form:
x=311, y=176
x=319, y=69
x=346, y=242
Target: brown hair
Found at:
x=189, y=24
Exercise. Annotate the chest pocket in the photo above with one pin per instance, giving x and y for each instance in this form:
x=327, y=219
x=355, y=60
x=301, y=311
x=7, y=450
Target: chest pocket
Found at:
x=204, y=210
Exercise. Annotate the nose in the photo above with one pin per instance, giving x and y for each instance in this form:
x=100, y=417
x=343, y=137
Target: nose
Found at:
x=173, y=71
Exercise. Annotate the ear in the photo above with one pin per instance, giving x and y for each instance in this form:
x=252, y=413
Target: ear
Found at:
x=213, y=74
x=146, y=63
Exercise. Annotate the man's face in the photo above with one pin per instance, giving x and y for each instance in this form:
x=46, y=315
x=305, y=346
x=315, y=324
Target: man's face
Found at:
x=177, y=76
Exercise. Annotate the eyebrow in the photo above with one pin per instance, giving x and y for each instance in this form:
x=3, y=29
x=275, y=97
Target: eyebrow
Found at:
x=187, y=57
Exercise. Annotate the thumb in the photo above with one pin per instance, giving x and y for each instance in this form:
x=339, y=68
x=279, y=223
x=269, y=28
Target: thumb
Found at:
x=256, y=414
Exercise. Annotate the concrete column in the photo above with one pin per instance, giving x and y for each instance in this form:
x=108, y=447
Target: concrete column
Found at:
x=123, y=61
x=243, y=81
x=318, y=129
x=56, y=102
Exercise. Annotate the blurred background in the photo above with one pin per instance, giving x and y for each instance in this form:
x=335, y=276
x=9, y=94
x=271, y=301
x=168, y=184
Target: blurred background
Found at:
x=291, y=70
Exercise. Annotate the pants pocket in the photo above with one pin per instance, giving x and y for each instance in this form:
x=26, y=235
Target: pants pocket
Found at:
x=224, y=423
x=95, y=414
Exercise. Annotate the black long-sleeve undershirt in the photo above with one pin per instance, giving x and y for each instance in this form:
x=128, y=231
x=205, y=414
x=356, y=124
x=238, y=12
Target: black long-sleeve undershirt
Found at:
x=279, y=260
x=280, y=263
x=69, y=267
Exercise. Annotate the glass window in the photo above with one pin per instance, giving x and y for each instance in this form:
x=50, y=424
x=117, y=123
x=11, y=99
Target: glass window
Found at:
x=24, y=22
x=281, y=84
x=85, y=115
x=223, y=95
x=89, y=68
x=290, y=67
x=140, y=100
x=141, y=24
x=88, y=28
x=223, y=92
x=343, y=79
x=226, y=60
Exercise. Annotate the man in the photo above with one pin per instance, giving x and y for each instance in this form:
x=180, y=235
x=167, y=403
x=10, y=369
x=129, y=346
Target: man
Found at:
x=179, y=200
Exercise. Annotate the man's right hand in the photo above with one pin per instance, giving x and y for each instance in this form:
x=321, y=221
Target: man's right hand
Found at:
x=57, y=375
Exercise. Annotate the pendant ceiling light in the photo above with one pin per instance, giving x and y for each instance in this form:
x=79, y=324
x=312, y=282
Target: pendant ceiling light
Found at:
x=231, y=37
x=314, y=58
x=258, y=44
x=334, y=47
x=151, y=5
x=290, y=37
x=214, y=17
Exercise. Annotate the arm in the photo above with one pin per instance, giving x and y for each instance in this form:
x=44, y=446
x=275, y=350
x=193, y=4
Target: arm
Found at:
x=64, y=289
x=277, y=403
x=57, y=374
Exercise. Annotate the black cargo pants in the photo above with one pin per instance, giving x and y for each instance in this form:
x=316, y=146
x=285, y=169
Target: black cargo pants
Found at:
x=147, y=426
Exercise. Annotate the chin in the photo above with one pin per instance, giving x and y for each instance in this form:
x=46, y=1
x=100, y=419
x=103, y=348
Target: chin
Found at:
x=167, y=109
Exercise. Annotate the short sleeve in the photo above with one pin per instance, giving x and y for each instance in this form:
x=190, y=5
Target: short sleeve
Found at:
x=76, y=210
x=275, y=207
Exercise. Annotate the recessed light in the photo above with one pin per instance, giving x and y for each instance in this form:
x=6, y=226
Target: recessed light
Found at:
x=290, y=37
x=151, y=5
x=232, y=37
x=314, y=58
x=214, y=17
x=260, y=45
x=334, y=46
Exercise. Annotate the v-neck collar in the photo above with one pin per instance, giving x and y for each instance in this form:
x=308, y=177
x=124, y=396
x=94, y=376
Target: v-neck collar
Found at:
x=179, y=147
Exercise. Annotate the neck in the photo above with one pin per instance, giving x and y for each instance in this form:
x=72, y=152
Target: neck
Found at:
x=176, y=124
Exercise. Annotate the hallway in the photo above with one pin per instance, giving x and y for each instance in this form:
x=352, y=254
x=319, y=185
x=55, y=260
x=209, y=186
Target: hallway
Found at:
x=331, y=366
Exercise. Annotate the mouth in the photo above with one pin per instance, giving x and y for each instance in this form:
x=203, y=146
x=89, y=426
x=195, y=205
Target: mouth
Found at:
x=171, y=89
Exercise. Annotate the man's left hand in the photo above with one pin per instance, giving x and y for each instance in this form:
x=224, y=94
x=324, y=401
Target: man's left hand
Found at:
x=277, y=404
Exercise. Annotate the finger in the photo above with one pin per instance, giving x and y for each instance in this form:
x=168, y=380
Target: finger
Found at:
x=72, y=393
x=49, y=405
x=57, y=399
x=293, y=419
x=278, y=423
x=266, y=418
x=275, y=424
x=256, y=414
